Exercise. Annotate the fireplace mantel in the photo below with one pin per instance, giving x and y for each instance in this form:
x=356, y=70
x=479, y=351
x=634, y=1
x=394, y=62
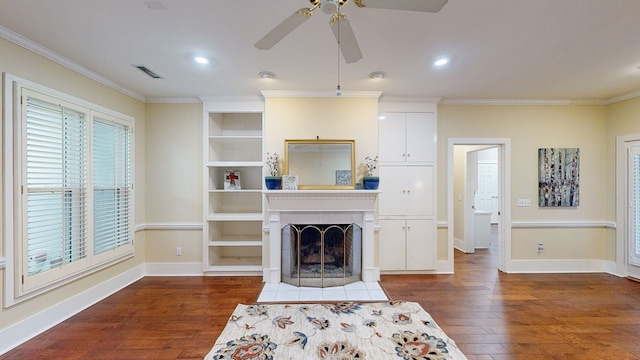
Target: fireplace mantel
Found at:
x=321, y=207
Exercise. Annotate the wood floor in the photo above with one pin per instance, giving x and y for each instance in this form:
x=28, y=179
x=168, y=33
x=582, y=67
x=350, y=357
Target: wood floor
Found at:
x=490, y=315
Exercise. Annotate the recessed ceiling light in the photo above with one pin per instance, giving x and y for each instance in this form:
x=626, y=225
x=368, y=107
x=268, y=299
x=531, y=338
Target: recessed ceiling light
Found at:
x=442, y=61
x=377, y=75
x=201, y=60
x=267, y=75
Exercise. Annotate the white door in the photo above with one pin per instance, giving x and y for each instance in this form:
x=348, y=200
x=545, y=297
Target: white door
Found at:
x=487, y=198
x=634, y=209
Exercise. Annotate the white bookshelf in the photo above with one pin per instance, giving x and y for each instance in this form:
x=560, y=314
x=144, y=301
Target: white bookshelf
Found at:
x=233, y=219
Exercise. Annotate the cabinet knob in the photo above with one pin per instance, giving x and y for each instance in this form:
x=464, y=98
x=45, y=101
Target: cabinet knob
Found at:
x=408, y=154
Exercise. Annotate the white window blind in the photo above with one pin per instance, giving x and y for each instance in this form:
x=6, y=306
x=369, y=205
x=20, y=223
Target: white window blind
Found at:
x=111, y=185
x=76, y=212
x=56, y=181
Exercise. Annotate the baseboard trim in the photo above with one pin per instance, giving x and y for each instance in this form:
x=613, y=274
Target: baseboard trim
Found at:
x=173, y=269
x=557, y=266
x=18, y=333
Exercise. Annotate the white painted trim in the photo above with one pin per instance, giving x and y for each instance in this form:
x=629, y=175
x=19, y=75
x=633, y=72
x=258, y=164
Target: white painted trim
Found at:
x=173, y=269
x=557, y=266
x=622, y=203
x=562, y=224
x=442, y=224
x=444, y=267
x=174, y=100
x=26, y=329
x=170, y=226
x=3, y=262
x=56, y=58
x=319, y=94
x=523, y=102
x=504, y=153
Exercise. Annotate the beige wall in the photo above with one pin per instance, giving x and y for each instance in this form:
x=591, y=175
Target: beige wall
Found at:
x=22, y=63
x=323, y=118
x=174, y=187
x=530, y=128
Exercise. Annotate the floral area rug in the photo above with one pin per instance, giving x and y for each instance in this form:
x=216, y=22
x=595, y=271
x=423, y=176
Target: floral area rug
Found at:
x=337, y=331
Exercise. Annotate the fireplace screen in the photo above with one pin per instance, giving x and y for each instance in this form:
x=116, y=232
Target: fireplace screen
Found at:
x=321, y=255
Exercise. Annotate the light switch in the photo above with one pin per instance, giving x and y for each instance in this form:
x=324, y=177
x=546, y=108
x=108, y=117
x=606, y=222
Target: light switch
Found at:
x=524, y=202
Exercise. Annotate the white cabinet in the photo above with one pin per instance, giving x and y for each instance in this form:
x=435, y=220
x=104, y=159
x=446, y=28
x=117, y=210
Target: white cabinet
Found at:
x=407, y=245
x=407, y=200
x=232, y=232
x=406, y=137
x=406, y=190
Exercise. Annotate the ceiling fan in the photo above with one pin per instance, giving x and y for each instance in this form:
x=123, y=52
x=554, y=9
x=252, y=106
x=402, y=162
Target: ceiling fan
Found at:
x=340, y=24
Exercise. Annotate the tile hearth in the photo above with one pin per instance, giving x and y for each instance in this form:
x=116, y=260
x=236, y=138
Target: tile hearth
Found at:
x=357, y=291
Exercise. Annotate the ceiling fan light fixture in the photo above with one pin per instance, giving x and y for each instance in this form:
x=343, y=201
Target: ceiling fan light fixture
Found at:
x=377, y=75
x=267, y=75
x=329, y=6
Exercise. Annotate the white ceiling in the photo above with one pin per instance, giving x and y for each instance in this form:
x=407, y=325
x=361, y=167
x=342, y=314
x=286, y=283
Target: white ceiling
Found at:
x=501, y=49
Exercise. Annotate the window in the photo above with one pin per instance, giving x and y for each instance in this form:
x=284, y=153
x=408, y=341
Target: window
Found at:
x=73, y=189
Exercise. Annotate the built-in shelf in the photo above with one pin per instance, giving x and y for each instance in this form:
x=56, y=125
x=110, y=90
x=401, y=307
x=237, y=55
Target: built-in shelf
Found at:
x=233, y=218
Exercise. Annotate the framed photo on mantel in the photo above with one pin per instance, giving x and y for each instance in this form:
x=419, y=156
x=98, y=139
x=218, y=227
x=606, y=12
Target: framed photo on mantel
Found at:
x=232, y=180
x=290, y=182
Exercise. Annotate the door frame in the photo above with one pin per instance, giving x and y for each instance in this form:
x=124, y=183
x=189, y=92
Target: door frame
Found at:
x=622, y=205
x=504, y=204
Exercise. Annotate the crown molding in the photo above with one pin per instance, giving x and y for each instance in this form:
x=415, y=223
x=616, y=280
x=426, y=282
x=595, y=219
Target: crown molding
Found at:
x=522, y=102
x=413, y=100
x=174, y=100
x=624, y=97
x=319, y=94
x=61, y=60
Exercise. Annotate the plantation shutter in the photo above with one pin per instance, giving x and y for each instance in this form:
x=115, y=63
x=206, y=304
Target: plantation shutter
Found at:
x=112, y=189
x=634, y=189
x=56, y=181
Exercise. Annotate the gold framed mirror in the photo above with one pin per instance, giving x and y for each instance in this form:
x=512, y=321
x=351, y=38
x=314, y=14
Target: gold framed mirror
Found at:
x=321, y=164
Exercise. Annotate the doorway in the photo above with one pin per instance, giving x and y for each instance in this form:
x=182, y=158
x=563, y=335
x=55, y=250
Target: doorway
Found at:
x=463, y=195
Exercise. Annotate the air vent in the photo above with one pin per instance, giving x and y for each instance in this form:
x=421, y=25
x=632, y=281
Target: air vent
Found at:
x=146, y=70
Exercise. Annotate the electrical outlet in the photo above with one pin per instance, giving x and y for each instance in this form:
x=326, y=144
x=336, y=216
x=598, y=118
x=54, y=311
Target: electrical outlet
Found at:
x=539, y=247
x=524, y=202
x=178, y=251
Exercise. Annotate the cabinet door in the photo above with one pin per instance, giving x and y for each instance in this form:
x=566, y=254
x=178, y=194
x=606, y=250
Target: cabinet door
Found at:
x=406, y=190
x=393, y=190
x=392, y=136
x=418, y=190
x=392, y=245
x=420, y=245
x=420, y=141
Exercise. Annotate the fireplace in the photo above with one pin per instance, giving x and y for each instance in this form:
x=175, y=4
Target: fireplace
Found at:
x=321, y=209
x=321, y=255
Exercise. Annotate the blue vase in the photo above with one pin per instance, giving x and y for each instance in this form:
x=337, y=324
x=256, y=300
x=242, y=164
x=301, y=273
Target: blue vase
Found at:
x=370, y=182
x=273, y=182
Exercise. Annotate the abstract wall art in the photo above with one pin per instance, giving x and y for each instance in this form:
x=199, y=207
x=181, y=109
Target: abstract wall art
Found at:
x=558, y=177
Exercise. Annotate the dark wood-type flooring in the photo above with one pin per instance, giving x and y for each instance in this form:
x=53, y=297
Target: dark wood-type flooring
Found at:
x=489, y=314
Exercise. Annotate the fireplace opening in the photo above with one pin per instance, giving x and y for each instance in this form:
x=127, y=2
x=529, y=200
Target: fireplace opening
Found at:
x=321, y=255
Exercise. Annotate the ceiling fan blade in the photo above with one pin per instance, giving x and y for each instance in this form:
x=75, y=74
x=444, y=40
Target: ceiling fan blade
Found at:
x=345, y=37
x=288, y=25
x=410, y=5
